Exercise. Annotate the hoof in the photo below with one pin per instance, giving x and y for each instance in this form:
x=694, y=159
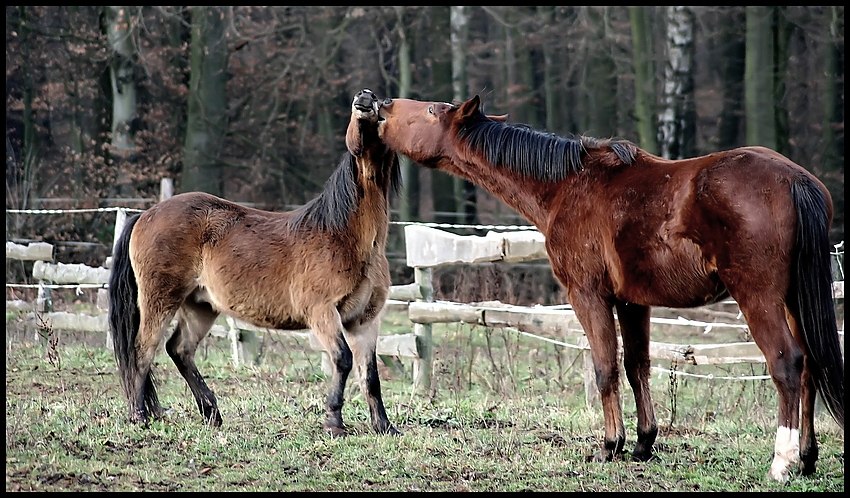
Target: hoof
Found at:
x=213, y=420
x=161, y=413
x=336, y=431
x=389, y=431
x=601, y=456
x=335, y=427
x=643, y=455
x=138, y=417
x=779, y=473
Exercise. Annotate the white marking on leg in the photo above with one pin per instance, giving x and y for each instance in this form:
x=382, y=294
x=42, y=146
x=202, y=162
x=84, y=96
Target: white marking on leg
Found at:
x=786, y=453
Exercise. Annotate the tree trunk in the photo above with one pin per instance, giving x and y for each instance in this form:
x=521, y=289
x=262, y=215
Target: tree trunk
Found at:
x=442, y=184
x=759, y=96
x=833, y=105
x=464, y=190
x=206, y=119
x=30, y=147
x=120, y=34
x=732, y=54
x=600, y=80
x=644, y=78
x=518, y=83
x=409, y=199
x=782, y=30
x=833, y=118
x=550, y=94
x=677, y=121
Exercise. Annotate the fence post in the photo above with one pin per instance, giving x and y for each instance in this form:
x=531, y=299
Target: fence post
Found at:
x=591, y=392
x=120, y=220
x=233, y=335
x=166, y=188
x=245, y=344
x=43, y=304
x=422, y=366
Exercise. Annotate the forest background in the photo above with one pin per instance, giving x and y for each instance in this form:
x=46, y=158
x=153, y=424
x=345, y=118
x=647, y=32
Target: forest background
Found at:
x=251, y=103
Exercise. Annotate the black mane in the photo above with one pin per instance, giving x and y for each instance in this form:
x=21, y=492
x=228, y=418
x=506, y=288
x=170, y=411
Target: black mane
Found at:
x=541, y=155
x=333, y=207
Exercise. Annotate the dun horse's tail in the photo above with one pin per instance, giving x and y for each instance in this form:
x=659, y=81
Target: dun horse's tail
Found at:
x=124, y=318
x=813, y=295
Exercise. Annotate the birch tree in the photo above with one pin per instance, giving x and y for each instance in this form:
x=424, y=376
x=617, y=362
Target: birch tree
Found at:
x=677, y=119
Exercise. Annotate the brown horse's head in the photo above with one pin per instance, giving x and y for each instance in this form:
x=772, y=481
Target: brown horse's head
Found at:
x=425, y=131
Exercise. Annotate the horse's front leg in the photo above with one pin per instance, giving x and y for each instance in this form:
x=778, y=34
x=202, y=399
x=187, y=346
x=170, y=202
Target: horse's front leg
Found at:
x=596, y=317
x=363, y=338
x=634, y=327
x=328, y=328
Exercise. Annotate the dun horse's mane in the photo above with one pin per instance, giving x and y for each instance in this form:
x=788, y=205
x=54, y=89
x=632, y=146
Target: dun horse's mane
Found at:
x=331, y=210
x=536, y=154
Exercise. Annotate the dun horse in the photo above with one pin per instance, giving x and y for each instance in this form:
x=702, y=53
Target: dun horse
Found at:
x=322, y=266
x=627, y=230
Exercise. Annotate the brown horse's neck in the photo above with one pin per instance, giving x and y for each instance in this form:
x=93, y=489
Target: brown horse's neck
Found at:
x=529, y=197
x=372, y=213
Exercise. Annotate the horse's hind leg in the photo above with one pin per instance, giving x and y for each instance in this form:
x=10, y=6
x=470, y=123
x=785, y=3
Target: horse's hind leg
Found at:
x=193, y=322
x=363, y=338
x=808, y=440
x=143, y=397
x=769, y=328
x=634, y=327
x=327, y=327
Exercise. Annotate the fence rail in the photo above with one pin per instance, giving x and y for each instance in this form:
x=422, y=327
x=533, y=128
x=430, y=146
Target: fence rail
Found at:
x=426, y=248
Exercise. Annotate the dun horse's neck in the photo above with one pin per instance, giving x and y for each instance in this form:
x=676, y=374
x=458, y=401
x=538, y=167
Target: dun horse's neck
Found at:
x=529, y=197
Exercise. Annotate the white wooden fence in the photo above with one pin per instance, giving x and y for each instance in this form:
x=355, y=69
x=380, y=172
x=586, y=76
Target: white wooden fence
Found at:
x=426, y=249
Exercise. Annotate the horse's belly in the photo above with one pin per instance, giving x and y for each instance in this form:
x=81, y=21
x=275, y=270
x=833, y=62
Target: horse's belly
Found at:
x=673, y=288
x=257, y=312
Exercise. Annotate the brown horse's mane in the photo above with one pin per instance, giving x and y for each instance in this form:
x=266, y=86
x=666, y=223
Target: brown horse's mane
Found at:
x=536, y=154
x=333, y=207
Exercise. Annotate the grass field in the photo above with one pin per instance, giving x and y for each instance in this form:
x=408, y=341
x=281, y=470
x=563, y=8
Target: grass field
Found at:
x=505, y=413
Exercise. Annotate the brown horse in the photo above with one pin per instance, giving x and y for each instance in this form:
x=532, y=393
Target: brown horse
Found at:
x=628, y=230
x=322, y=266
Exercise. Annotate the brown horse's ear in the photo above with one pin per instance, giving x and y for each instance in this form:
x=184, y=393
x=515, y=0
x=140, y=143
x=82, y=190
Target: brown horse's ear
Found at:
x=498, y=117
x=469, y=108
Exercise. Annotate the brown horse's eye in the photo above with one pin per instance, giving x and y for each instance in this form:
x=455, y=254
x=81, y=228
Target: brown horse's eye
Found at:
x=430, y=109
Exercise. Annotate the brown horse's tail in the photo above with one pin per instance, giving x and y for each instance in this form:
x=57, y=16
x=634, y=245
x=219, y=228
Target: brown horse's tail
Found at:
x=813, y=295
x=124, y=318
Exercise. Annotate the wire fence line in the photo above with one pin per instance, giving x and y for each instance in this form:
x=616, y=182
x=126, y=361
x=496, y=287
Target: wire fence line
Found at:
x=837, y=255
x=73, y=211
x=136, y=210
x=838, y=248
